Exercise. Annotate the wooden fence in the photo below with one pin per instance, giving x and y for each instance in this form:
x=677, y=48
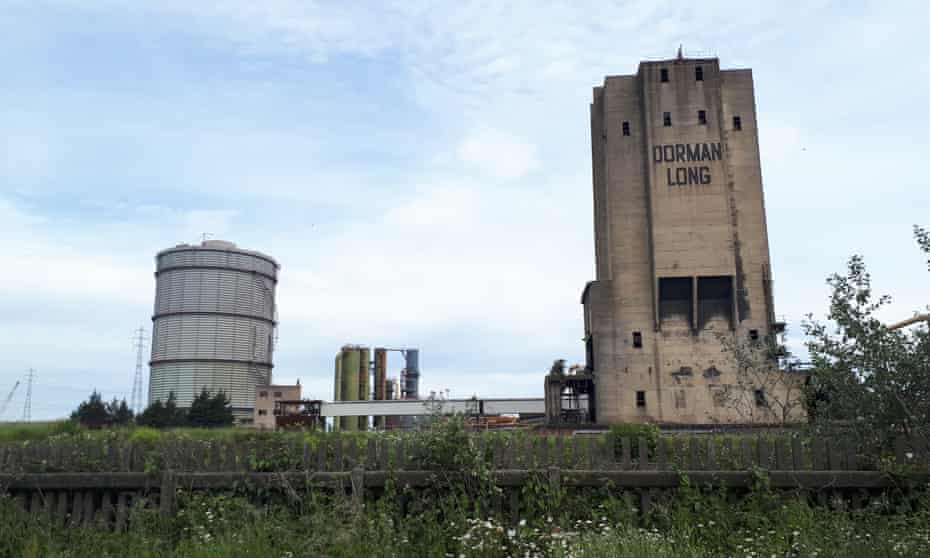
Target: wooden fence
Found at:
x=92, y=481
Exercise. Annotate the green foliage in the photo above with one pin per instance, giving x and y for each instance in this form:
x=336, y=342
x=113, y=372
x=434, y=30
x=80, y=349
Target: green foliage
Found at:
x=120, y=414
x=868, y=378
x=94, y=413
x=163, y=415
x=33, y=431
x=632, y=431
x=697, y=523
x=210, y=411
x=144, y=435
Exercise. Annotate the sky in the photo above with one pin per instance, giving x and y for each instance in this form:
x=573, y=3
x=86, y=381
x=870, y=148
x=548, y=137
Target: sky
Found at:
x=421, y=170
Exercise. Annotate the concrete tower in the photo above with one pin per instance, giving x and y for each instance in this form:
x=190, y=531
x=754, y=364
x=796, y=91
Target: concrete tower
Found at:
x=680, y=241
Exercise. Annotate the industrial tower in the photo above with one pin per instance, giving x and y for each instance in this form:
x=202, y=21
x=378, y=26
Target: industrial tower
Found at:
x=682, y=252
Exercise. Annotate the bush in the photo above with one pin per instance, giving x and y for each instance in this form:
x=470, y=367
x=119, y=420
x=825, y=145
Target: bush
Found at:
x=633, y=431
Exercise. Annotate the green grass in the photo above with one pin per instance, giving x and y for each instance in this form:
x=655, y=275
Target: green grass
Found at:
x=226, y=526
x=33, y=431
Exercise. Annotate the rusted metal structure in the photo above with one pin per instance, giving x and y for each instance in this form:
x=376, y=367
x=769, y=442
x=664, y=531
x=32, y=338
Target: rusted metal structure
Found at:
x=570, y=398
x=300, y=414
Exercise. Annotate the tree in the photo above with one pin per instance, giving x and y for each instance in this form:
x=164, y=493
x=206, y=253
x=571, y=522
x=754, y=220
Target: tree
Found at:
x=768, y=386
x=866, y=377
x=162, y=415
x=210, y=411
x=92, y=413
x=119, y=412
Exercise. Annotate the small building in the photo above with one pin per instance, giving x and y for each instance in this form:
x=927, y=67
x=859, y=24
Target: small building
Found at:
x=266, y=399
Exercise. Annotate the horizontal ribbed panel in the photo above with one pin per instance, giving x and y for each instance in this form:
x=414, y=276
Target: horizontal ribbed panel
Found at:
x=213, y=324
x=215, y=258
x=211, y=336
x=187, y=379
x=214, y=290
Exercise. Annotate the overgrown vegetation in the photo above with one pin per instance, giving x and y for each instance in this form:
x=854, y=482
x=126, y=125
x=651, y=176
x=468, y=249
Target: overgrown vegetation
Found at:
x=696, y=523
x=868, y=379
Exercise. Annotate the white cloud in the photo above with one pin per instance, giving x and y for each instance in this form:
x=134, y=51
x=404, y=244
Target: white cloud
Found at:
x=436, y=206
x=498, y=154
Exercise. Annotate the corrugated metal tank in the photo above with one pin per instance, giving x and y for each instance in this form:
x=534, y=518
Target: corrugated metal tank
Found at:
x=350, y=363
x=214, y=323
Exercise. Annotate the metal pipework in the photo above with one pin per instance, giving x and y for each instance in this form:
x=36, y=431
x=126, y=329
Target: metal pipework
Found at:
x=411, y=385
x=909, y=321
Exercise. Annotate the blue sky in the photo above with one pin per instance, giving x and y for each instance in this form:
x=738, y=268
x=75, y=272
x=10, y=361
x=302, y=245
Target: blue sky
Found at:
x=421, y=170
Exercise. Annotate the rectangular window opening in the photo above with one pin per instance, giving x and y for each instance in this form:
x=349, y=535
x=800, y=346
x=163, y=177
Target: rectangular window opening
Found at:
x=626, y=128
x=715, y=301
x=637, y=339
x=663, y=75
x=640, y=399
x=699, y=74
x=263, y=394
x=761, y=401
x=737, y=123
x=753, y=334
x=702, y=117
x=667, y=118
x=675, y=301
x=278, y=394
x=262, y=412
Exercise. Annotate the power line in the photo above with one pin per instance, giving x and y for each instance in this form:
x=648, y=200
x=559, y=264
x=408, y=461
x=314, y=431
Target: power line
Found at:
x=27, y=405
x=136, y=398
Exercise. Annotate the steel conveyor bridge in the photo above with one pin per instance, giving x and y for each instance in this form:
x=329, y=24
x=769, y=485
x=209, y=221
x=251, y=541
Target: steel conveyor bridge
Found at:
x=420, y=407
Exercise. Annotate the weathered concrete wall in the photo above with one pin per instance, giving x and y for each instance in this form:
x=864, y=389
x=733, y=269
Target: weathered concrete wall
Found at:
x=674, y=201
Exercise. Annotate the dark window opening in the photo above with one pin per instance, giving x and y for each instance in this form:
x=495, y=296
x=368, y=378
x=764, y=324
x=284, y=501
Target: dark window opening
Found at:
x=680, y=401
x=262, y=412
x=667, y=118
x=626, y=128
x=702, y=117
x=663, y=75
x=640, y=399
x=278, y=394
x=761, y=401
x=637, y=340
x=699, y=74
x=754, y=334
x=737, y=123
x=675, y=300
x=715, y=300
x=263, y=394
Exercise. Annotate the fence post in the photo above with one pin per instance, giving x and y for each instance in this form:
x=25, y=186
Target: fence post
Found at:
x=166, y=493
x=555, y=485
x=358, y=487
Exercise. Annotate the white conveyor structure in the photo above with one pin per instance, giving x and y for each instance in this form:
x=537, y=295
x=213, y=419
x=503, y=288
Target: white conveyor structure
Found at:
x=419, y=407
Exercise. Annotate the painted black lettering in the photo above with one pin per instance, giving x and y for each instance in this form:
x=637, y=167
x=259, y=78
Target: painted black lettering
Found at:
x=681, y=176
x=693, y=177
x=668, y=173
x=705, y=175
x=679, y=152
x=694, y=154
x=705, y=152
x=657, y=153
x=715, y=151
x=668, y=153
